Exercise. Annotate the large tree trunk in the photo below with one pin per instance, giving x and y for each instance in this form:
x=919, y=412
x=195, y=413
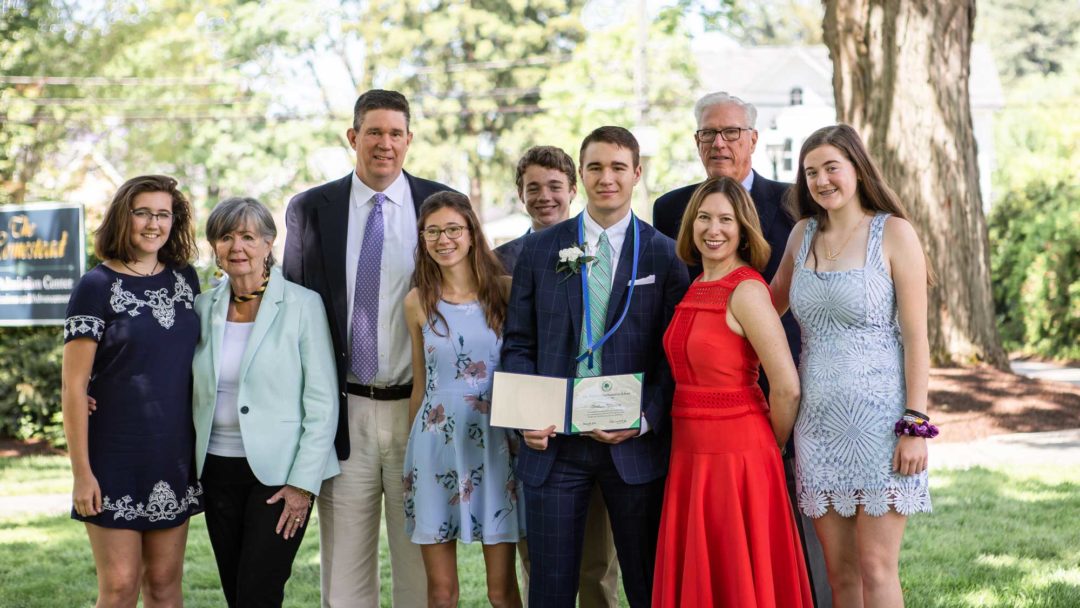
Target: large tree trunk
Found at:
x=900, y=76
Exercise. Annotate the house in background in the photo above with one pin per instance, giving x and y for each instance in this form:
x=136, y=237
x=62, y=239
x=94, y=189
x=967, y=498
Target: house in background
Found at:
x=791, y=87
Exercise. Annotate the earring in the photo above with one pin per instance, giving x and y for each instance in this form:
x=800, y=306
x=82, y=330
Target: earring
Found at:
x=267, y=265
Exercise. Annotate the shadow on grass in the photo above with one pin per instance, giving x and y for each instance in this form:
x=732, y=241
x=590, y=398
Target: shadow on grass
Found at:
x=996, y=540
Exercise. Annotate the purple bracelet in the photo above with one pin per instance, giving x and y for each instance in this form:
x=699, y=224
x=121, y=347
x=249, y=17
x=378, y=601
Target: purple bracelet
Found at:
x=924, y=429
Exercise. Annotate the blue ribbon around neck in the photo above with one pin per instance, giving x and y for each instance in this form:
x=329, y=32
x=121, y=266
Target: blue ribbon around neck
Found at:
x=593, y=346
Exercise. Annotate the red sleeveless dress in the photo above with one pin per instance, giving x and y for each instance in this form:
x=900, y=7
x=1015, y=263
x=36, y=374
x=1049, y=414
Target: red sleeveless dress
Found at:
x=727, y=533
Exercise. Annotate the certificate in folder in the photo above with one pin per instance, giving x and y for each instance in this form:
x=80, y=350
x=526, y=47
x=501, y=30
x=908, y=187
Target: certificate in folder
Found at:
x=571, y=405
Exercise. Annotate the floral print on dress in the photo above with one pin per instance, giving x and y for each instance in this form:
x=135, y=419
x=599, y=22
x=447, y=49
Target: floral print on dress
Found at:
x=408, y=483
x=458, y=474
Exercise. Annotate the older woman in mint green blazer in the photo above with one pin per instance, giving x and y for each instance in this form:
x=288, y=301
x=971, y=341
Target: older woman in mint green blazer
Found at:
x=265, y=406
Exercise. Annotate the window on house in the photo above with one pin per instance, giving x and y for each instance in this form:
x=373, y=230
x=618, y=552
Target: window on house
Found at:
x=796, y=96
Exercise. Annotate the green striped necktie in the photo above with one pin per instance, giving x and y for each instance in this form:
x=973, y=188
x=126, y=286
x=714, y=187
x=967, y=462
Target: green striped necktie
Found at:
x=599, y=293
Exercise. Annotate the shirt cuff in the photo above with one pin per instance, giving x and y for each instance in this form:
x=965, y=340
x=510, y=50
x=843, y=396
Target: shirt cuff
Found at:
x=644, y=425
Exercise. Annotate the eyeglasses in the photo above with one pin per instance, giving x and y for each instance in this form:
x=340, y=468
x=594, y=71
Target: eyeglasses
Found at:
x=708, y=136
x=432, y=234
x=146, y=215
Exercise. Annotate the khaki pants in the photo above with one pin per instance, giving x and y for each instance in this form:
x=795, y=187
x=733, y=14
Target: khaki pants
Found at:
x=350, y=507
x=599, y=586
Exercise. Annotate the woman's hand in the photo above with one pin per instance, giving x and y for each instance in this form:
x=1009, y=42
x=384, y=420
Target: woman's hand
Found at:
x=295, y=514
x=86, y=495
x=910, y=457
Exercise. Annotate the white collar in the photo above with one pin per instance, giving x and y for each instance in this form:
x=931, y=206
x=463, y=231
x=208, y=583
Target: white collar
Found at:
x=593, y=229
x=748, y=183
x=395, y=192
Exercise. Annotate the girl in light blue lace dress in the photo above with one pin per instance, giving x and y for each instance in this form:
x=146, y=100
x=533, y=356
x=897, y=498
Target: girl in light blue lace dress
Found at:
x=458, y=479
x=855, y=276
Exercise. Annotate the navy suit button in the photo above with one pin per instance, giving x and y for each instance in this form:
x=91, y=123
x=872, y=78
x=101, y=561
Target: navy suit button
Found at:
x=244, y=410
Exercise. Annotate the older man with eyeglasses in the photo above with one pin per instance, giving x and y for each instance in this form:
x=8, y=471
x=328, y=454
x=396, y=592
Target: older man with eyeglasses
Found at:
x=725, y=140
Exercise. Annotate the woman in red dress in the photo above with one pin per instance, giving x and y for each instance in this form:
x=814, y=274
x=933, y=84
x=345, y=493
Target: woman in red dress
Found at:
x=727, y=533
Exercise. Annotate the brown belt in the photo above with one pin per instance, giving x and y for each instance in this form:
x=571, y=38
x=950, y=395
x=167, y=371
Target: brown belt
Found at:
x=380, y=393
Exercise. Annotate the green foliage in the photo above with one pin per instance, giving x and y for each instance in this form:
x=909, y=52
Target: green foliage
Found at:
x=755, y=22
x=1030, y=36
x=1035, y=265
x=30, y=374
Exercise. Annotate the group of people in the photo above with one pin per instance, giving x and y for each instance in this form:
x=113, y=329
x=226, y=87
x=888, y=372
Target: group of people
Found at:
x=359, y=374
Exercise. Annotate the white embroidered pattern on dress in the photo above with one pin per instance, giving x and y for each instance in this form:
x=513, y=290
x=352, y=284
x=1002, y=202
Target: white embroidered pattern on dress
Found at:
x=79, y=325
x=160, y=302
x=162, y=504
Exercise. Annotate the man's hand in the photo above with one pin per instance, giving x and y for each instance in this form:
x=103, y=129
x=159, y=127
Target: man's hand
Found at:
x=614, y=437
x=538, y=440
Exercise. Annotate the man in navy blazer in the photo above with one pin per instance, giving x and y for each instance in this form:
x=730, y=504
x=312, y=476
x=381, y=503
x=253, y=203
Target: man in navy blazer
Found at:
x=725, y=140
x=327, y=228
x=546, y=184
x=544, y=336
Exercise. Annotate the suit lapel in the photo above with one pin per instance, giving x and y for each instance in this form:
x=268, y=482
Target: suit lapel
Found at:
x=571, y=282
x=264, y=319
x=219, y=312
x=333, y=217
x=623, y=272
x=766, y=208
x=416, y=191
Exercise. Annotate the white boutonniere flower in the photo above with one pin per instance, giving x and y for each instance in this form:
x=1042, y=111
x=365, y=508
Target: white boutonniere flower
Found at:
x=572, y=258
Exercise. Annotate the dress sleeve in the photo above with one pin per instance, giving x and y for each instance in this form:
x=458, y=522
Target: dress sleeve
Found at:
x=87, y=308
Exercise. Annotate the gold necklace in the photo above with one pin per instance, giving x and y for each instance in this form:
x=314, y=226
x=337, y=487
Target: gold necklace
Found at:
x=829, y=255
x=151, y=273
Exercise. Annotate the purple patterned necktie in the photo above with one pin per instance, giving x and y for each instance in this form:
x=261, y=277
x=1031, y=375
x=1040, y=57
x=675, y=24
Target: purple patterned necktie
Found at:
x=364, y=354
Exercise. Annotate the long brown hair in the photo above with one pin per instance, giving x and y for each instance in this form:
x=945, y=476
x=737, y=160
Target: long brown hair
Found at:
x=752, y=249
x=486, y=268
x=874, y=194
x=112, y=240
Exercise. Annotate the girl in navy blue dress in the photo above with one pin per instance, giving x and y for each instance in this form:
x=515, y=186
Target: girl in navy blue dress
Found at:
x=129, y=336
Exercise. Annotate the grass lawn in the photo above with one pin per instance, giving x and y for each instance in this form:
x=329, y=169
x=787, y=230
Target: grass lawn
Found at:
x=1003, y=538
x=34, y=475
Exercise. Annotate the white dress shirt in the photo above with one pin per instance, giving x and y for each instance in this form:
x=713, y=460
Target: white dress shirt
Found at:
x=395, y=273
x=748, y=183
x=616, y=235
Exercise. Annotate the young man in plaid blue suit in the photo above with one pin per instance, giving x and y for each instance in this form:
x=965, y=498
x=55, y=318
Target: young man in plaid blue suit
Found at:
x=544, y=335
